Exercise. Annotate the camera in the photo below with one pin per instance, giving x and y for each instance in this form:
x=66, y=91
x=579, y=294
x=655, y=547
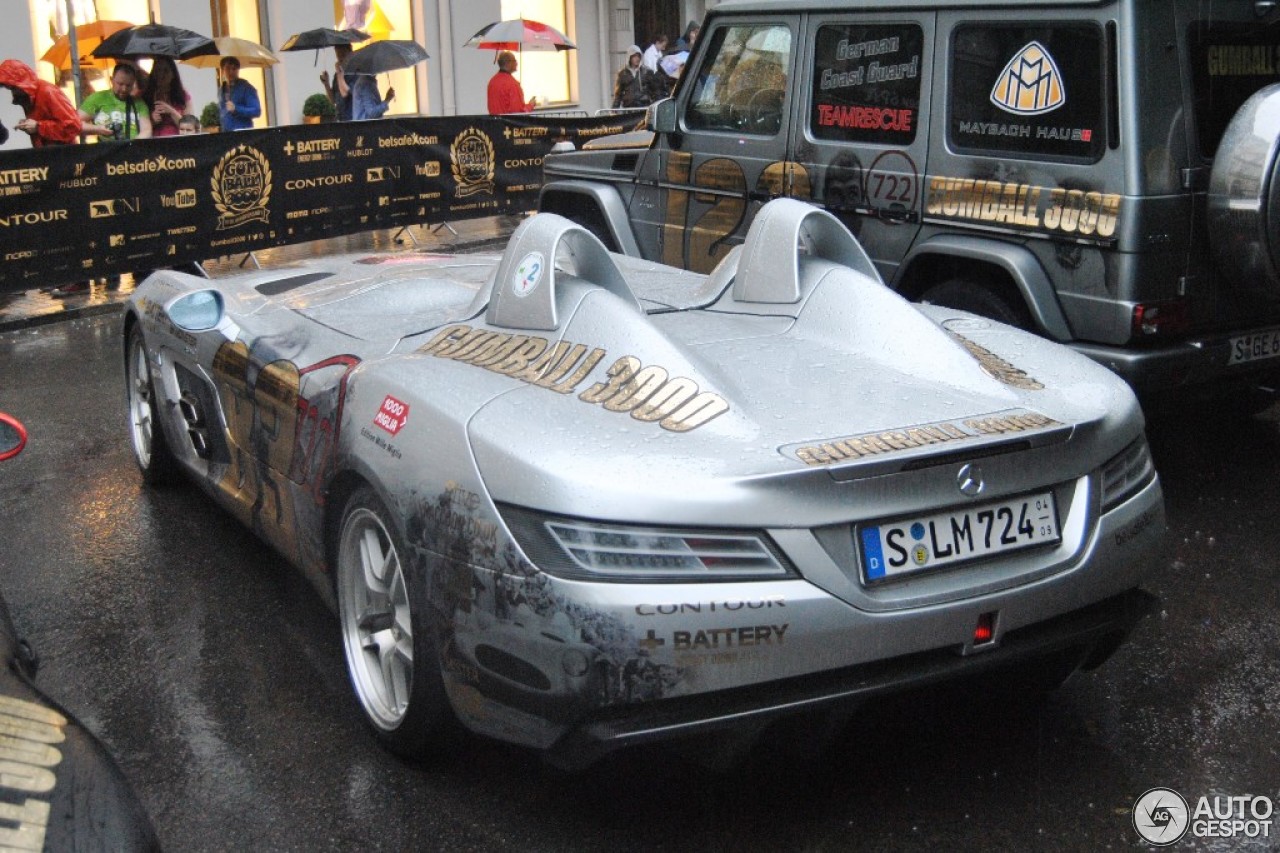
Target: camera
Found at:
x=117, y=129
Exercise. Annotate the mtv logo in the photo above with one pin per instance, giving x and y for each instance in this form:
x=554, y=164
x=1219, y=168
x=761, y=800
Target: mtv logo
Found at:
x=374, y=174
x=116, y=240
x=384, y=200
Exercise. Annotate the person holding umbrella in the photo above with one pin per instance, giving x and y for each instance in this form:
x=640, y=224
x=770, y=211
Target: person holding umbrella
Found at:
x=339, y=88
x=505, y=93
x=238, y=103
x=366, y=101
x=166, y=100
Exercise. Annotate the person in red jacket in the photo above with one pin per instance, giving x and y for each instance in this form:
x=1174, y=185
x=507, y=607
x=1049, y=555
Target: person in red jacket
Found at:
x=505, y=94
x=51, y=118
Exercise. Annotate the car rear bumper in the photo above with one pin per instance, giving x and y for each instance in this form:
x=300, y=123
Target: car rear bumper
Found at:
x=1089, y=635
x=1198, y=362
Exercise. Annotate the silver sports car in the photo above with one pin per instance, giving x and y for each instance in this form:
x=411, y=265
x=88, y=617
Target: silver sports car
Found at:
x=577, y=501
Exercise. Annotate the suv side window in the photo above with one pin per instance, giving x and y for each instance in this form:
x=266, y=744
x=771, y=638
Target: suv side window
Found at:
x=740, y=86
x=1028, y=91
x=866, y=83
x=1228, y=64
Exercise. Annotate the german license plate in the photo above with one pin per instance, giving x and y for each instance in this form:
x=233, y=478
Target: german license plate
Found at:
x=894, y=548
x=1255, y=346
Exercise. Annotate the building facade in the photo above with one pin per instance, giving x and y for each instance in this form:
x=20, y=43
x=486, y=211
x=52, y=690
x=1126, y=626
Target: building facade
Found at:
x=451, y=82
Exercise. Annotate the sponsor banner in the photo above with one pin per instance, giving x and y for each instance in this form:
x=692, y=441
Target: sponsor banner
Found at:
x=77, y=211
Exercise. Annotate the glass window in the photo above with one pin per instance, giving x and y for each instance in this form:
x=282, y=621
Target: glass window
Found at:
x=866, y=83
x=52, y=22
x=741, y=86
x=1028, y=90
x=384, y=19
x=542, y=73
x=1229, y=63
x=239, y=18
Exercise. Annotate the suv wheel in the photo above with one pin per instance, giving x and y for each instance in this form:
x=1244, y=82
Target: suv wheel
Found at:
x=966, y=295
x=1244, y=195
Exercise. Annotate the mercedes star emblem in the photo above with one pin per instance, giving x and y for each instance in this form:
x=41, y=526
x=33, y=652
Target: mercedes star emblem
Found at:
x=970, y=480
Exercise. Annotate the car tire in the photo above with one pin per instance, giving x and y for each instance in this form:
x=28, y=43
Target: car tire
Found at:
x=965, y=295
x=146, y=433
x=1244, y=196
x=387, y=637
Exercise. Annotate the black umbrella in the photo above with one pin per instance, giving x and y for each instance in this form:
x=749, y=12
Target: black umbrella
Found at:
x=155, y=40
x=383, y=56
x=323, y=37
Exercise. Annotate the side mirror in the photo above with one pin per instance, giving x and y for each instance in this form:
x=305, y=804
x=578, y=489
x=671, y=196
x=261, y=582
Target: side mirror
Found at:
x=13, y=436
x=196, y=312
x=662, y=117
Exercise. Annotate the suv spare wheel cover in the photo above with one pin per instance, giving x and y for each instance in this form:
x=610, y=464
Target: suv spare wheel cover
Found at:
x=1244, y=195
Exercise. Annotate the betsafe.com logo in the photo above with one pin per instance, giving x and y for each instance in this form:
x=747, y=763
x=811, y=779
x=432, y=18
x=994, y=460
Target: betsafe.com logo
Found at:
x=1162, y=816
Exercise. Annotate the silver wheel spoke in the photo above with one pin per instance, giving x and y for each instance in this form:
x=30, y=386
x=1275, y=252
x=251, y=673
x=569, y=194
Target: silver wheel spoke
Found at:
x=377, y=619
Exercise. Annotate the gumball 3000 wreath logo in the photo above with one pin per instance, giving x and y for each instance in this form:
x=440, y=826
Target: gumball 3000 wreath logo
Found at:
x=241, y=187
x=473, y=162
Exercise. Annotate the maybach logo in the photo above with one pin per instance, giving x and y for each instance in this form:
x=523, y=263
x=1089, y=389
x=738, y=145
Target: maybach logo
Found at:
x=241, y=187
x=473, y=162
x=1030, y=84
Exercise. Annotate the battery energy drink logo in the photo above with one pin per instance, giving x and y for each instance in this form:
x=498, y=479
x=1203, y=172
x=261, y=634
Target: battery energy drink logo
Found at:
x=1030, y=84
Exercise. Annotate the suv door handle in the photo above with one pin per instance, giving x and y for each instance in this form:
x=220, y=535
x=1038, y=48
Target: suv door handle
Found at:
x=885, y=214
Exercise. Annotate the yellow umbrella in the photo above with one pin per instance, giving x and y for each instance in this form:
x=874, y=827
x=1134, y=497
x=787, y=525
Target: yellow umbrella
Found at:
x=88, y=36
x=250, y=53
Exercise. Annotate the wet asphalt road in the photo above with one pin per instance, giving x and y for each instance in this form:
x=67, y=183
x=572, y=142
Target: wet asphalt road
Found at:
x=215, y=675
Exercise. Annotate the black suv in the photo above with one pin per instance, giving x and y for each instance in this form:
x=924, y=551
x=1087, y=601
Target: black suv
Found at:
x=1100, y=171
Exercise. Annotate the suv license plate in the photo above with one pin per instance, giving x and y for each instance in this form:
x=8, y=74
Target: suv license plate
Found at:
x=1254, y=347
x=908, y=545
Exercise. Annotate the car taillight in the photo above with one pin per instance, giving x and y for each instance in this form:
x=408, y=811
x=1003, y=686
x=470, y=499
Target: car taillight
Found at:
x=1160, y=318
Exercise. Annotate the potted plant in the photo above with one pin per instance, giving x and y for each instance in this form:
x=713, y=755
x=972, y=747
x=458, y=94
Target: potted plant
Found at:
x=210, y=121
x=317, y=108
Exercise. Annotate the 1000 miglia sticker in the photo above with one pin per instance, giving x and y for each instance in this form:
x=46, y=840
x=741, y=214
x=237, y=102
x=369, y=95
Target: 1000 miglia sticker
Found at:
x=647, y=393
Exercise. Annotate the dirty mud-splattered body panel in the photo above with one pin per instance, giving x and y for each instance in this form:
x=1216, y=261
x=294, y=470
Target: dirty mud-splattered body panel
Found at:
x=777, y=434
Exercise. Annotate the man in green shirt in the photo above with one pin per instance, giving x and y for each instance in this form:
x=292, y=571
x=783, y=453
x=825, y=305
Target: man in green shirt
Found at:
x=114, y=113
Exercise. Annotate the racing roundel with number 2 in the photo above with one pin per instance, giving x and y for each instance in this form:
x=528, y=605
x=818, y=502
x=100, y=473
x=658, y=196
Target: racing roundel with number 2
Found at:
x=528, y=274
